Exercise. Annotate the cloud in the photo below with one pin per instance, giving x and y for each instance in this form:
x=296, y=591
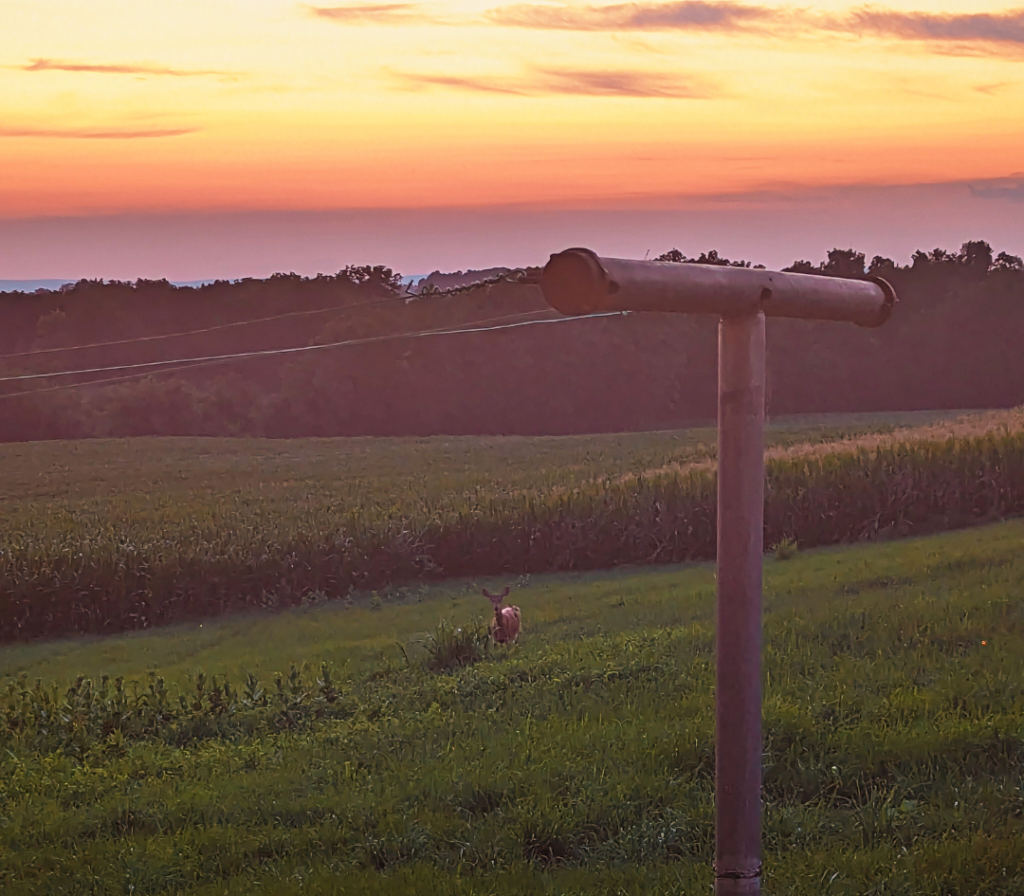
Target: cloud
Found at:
x=625, y=83
x=1008, y=188
x=480, y=85
x=959, y=33
x=684, y=15
x=577, y=82
x=56, y=65
x=90, y=134
x=993, y=28
x=993, y=89
x=371, y=13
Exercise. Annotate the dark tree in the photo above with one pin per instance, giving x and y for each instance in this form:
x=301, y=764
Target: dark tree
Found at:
x=709, y=257
x=845, y=263
x=1005, y=262
x=976, y=256
x=881, y=266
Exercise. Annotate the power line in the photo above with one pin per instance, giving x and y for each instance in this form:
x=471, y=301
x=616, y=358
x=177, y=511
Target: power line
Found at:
x=212, y=362
x=110, y=379
x=188, y=363
x=238, y=355
x=518, y=276
x=238, y=323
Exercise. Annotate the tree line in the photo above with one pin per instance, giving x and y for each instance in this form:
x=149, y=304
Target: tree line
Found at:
x=953, y=342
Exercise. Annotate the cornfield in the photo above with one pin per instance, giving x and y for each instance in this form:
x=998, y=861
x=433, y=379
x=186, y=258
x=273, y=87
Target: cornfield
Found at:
x=94, y=575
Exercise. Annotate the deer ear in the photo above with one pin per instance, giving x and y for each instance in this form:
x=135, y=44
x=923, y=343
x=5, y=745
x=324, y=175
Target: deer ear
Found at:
x=487, y=593
x=506, y=592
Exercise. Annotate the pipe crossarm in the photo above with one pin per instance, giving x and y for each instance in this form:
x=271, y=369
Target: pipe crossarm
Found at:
x=578, y=281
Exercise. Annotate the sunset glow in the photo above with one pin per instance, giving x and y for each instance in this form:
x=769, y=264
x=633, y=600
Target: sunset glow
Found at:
x=116, y=107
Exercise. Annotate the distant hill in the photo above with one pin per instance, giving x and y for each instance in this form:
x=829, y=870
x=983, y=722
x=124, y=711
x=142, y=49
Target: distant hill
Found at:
x=34, y=285
x=31, y=285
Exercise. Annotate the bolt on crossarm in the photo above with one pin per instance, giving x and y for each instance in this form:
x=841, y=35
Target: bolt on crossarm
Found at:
x=577, y=281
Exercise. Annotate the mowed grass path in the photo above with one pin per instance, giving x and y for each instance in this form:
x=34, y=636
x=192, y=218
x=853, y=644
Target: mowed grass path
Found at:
x=580, y=761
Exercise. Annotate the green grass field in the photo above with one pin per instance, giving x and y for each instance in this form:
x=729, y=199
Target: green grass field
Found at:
x=579, y=761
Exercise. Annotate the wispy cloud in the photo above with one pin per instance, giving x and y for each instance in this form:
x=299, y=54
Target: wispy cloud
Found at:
x=508, y=86
x=1008, y=188
x=977, y=33
x=997, y=33
x=996, y=28
x=372, y=14
x=96, y=134
x=683, y=15
x=993, y=89
x=577, y=82
x=57, y=65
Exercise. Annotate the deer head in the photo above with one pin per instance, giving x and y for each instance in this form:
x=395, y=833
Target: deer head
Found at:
x=496, y=599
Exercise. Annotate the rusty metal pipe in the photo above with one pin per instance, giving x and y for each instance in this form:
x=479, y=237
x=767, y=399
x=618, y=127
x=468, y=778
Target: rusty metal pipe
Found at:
x=741, y=379
x=577, y=281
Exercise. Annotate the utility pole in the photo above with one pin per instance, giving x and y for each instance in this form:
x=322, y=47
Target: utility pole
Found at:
x=577, y=281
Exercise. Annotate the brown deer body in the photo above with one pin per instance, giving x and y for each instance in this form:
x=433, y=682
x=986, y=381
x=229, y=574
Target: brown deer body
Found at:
x=505, y=626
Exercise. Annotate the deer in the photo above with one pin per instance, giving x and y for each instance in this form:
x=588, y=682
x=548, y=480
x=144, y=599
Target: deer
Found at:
x=505, y=627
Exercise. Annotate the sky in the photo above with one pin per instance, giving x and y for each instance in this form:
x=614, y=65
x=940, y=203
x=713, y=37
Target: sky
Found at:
x=229, y=138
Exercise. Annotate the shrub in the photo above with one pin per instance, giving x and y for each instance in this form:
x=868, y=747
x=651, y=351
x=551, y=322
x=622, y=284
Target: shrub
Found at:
x=786, y=549
x=449, y=647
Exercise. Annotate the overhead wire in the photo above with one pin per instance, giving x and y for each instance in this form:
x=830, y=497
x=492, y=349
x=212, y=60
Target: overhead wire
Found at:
x=517, y=276
x=230, y=356
x=110, y=379
x=238, y=323
x=188, y=363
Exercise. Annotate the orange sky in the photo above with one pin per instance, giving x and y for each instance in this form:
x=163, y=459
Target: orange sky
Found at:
x=133, y=106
